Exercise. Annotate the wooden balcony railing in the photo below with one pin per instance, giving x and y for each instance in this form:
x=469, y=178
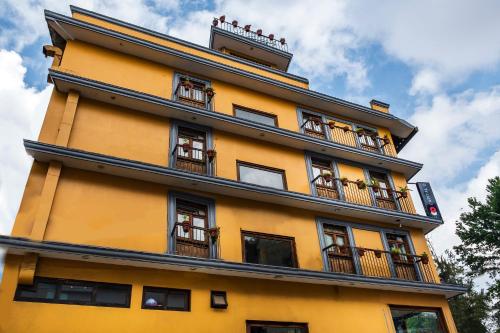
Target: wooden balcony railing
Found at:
x=194, y=159
x=345, y=135
x=193, y=241
x=379, y=263
x=194, y=93
x=359, y=192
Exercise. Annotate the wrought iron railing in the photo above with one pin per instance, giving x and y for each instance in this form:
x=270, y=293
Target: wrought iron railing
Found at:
x=246, y=32
x=359, y=192
x=345, y=135
x=379, y=263
x=194, y=159
x=193, y=241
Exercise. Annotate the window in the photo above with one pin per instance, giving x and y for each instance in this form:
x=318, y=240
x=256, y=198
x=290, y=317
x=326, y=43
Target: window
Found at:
x=415, y=320
x=49, y=290
x=401, y=257
x=383, y=192
x=313, y=125
x=338, y=249
x=192, y=91
x=166, y=299
x=325, y=186
x=256, y=116
x=268, y=249
x=191, y=150
x=260, y=175
x=368, y=139
x=191, y=229
x=218, y=299
x=275, y=327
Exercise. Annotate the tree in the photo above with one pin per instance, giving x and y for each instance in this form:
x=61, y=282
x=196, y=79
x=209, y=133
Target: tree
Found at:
x=470, y=310
x=479, y=230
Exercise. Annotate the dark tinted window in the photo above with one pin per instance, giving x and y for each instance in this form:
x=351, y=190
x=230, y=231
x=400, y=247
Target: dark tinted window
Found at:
x=268, y=327
x=258, y=117
x=166, y=299
x=408, y=320
x=261, y=176
x=269, y=250
x=50, y=290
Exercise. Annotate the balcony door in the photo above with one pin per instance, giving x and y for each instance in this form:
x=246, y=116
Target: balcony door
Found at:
x=338, y=250
x=313, y=126
x=191, y=92
x=325, y=187
x=368, y=140
x=191, y=150
x=383, y=194
x=401, y=257
x=191, y=234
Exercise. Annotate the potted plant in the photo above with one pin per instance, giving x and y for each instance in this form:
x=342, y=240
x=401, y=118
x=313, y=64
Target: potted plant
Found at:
x=375, y=185
x=327, y=176
x=410, y=259
x=185, y=147
x=360, y=131
x=424, y=258
x=346, y=128
x=210, y=92
x=378, y=253
x=234, y=23
x=344, y=181
x=271, y=36
x=187, y=84
x=361, y=251
x=331, y=124
x=215, y=22
x=259, y=32
x=282, y=41
x=395, y=253
x=404, y=191
x=386, y=140
x=222, y=19
x=214, y=234
x=361, y=184
x=316, y=121
x=247, y=28
x=211, y=153
x=186, y=225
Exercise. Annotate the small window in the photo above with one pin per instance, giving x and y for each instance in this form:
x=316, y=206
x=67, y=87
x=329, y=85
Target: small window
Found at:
x=409, y=320
x=275, y=327
x=218, y=299
x=260, y=175
x=50, y=290
x=256, y=116
x=269, y=249
x=166, y=299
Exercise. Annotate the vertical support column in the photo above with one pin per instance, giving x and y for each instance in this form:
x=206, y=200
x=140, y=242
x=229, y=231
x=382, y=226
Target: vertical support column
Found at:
x=28, y=265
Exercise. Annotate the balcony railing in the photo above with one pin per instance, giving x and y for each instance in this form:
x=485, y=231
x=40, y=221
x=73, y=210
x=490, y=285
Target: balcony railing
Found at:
x=378, y=263
x=344, y=135
x=359, y=192
x=256, y=36
x=193, y=241
x=194, y=159
x=193, y=93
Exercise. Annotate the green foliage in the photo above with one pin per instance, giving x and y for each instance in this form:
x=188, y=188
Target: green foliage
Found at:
x=470, y=310
x=479, y=230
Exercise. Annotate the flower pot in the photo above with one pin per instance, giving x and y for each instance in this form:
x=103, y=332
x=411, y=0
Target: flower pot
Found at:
x=282, y=41
x=214, y=234
x=424, y=259
x=346, y=129
x=410, y=259
x=316, y=121
x=404, y=195
x=360, y=133
x=344, y=181
x=378, y=253
x=185, y=226
x=327, y=177
x=209, y=92
x=395, y=256
x=271, y=37
x=361, y=252
x=211, y=153
x=259, y=32
x=331, y=124
x=234, y=23
x=186, y=147
x=386, y=140
x=361, y=184
x=375, y=189
x=215, y=22
x=222, y=19
x=247, y=28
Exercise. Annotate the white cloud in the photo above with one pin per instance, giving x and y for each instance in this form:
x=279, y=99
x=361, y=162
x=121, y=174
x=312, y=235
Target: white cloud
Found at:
x=425, y=81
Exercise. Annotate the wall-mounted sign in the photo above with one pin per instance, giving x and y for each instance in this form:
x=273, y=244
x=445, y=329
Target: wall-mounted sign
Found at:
x=428, y=200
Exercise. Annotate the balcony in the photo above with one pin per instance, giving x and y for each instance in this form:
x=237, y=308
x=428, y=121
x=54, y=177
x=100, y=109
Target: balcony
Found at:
x=193, y=93
x=359, y=192
x=360, y=138
x=195, y=159
x=378, y=264
x=193, y=241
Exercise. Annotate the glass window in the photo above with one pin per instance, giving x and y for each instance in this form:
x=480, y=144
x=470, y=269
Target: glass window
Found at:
x=275, y=327
x=51, y=290
x=258, y=117
x=408, y=320
x=261, y=176
x=269, y=250
x=166, y=299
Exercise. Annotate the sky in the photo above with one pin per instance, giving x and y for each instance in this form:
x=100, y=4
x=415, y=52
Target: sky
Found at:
x=437, y=63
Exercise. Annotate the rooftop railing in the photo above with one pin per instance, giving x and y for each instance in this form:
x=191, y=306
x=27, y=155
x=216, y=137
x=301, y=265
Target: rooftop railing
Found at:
x=379, y=263
x=246, y=32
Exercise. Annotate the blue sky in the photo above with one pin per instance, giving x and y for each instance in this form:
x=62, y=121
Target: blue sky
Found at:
x=436, y=62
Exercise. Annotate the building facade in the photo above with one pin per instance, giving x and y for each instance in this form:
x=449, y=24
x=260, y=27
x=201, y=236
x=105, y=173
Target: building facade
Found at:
x=182, y=188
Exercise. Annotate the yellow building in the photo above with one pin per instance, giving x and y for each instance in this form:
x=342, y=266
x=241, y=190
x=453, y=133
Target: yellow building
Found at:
x=215, y=187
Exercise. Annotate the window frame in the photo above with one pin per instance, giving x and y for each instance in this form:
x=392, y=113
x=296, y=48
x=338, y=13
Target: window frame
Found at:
x=290, y=239
x=285, y=324
x=439, y=311
x=265, y=168
x=166, y=291
x=175, y=82
x=59, y=282
x=257, y=112
x=223, y=294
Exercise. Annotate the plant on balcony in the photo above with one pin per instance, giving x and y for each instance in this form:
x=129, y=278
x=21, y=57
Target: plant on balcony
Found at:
x=316, y=121
x=410, y=259
x=214, y=234
x=271, y=36
x=386, y=140
x=361, y=184
x=327, y=176
x=259, y=32
x=331, y=124
x=346, y=128
x=361, y=251
x=187, y=84
x=403, y=191
x=185, y=147
x=211, y=154
x=215, y=22
x=210, y=92
x=344, y=181
x=375, y=185
x=424, y=257
x=186, y=225
x=234, y=23
x=247, y=28
x=378, y=253
x=360, y=132
x=395, y=253
x=222, y=19
x=282, y=41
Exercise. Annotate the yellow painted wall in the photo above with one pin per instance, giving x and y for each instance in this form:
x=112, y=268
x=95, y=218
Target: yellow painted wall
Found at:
x=324, y=308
